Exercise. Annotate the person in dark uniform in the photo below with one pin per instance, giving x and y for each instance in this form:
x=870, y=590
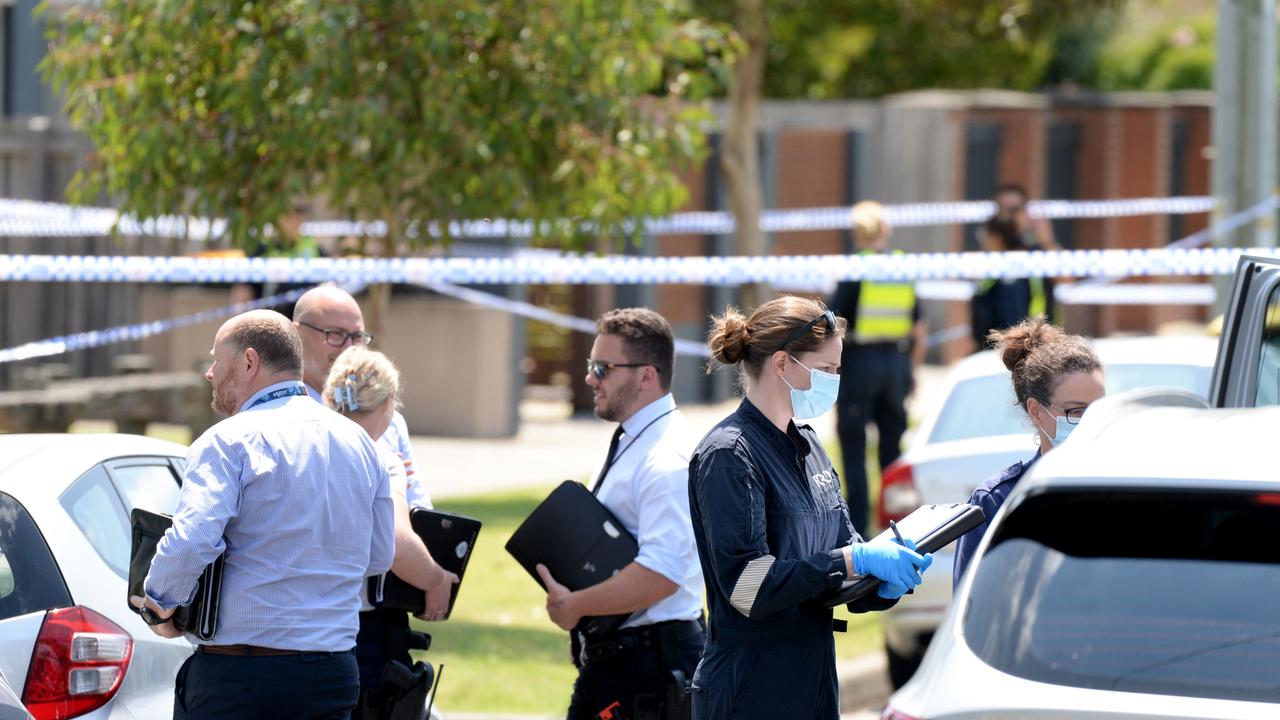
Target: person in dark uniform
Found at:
x=999, y=303
x=881, y=352
x=772, y=528
x=1056, y=377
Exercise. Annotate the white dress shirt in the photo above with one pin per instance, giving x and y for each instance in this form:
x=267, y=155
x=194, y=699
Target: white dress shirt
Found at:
x=647, y=488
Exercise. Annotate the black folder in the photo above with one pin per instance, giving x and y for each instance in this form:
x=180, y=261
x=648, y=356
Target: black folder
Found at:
x=930, y=527
x=450, y=539
x=580, y=542
x=200, y=618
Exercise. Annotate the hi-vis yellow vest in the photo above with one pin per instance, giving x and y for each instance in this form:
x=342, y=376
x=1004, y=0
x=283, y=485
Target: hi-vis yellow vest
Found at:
x=884, y=310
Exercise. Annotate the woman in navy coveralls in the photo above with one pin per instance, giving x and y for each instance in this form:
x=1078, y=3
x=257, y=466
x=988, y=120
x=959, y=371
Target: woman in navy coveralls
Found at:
x=771, y=524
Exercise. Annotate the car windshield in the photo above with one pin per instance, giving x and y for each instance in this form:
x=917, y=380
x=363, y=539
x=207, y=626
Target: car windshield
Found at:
x=985, y=406
x=1171, y=593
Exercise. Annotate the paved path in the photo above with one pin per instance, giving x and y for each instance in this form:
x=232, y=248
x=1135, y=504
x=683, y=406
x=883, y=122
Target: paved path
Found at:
x=552, y=446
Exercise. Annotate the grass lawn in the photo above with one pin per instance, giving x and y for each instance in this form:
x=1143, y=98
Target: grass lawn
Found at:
x=501, y=652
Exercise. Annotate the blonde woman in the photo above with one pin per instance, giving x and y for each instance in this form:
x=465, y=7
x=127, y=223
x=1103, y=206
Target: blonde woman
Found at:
x=365, y=386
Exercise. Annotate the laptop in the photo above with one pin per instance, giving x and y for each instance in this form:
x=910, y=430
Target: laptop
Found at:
x=581, y=543
x=450, y=539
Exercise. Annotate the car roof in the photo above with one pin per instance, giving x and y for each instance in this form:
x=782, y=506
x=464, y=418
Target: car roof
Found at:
x=68, y=455
x=1161, y=350
x=1165, y=446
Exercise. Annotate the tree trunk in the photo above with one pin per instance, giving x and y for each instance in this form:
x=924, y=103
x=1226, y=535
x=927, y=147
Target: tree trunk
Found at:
x=740, y=152
x=376, y=308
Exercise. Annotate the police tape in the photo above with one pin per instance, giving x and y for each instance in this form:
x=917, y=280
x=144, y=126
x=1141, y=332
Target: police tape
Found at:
x=630, y=270
x=138, y=331
x=24, y=218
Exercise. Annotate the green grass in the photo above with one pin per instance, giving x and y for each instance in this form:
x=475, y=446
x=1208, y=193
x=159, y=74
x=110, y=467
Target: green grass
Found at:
x=502, y=652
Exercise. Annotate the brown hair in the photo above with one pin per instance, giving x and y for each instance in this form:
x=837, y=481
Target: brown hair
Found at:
x=646, y=336
x=361, y=381
x=1040, y=354
x=751, y=341
x=274, y=339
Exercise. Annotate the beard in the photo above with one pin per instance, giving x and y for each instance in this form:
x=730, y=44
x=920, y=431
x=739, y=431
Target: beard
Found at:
x=618, y=402
x=224, y=401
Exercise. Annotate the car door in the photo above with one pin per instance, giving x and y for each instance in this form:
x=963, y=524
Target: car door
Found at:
x=1247, y=370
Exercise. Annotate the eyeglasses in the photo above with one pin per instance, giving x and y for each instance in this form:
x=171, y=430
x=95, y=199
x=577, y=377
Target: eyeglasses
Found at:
x=803, y=330
x=1072, y=415
x=600, y=369
x=338, y=338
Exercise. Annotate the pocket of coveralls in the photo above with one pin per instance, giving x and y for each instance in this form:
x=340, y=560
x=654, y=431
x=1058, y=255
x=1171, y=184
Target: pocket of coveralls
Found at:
x=744, y=664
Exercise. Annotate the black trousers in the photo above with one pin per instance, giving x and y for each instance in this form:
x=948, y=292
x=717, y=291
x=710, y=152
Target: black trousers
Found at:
x=874, y=383
x=634, y=683
x=302, y=686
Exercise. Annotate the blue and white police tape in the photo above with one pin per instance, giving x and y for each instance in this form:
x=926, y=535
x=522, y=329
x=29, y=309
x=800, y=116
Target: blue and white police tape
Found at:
x=534, y=312
x=20, y=218
x=125, y=333
x=579, y=270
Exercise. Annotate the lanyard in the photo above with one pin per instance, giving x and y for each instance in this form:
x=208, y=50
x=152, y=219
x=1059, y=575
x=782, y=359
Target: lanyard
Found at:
x=277, y=394
x=609, y=462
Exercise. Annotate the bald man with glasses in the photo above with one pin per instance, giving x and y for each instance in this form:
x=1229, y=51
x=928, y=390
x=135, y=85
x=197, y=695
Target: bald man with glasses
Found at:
x=641, y=667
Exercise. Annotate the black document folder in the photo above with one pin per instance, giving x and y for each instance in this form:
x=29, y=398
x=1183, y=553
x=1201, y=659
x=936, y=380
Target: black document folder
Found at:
x=581, y=543
x=450, y=539
x=200, y=618
x=930, y=527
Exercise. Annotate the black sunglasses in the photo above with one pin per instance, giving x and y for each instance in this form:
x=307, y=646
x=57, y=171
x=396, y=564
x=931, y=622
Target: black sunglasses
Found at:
x=600, y=369
x=338, y=338
x=803, y=330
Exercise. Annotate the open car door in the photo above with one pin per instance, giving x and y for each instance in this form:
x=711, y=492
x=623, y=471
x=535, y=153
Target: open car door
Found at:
x=1247, y=371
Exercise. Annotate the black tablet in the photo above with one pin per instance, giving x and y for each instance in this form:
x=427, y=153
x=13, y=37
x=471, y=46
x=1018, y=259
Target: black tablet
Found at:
x=200, y=618
x=930, y=527
x=449, y=538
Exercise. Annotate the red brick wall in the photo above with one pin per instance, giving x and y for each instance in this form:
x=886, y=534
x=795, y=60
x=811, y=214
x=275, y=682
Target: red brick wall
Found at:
x=684, y=303
x=811, y=173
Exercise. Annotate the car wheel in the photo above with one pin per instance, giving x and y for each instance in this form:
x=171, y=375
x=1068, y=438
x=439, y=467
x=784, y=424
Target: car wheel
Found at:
x=901, y=667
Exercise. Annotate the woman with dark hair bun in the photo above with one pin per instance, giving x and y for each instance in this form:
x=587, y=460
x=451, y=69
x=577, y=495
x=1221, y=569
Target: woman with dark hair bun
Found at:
x=771, y=524
x=1056, y=377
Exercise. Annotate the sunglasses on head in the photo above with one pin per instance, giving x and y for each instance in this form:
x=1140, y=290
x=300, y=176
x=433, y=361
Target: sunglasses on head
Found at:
x=803, y=330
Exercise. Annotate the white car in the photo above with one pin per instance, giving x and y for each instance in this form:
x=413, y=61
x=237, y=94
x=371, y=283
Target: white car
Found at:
x=976, y=431
x=1133, y=573
x=69, y=644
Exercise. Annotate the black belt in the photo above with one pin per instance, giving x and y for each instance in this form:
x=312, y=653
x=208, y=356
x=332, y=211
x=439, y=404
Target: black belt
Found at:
x=900, y=346
x=634, y=638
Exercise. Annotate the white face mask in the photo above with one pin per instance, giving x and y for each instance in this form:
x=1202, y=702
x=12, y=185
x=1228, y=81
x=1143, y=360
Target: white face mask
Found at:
x=824, y=387
x=1062, y=429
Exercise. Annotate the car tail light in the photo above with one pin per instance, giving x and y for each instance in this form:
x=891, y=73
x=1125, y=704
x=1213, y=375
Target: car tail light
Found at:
x=898, y=493
x=79, y=661
x=891, y=714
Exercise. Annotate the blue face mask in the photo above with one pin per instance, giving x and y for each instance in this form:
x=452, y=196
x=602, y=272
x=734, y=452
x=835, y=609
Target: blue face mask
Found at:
x=1061, y=431
x=821, y=395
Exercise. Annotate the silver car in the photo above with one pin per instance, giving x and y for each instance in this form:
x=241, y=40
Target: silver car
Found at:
x=68, y=641
x=1133, y=573
x=976, y=431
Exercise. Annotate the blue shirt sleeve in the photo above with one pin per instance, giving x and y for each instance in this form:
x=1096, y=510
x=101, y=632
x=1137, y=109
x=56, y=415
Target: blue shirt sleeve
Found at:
x=967, y=545
x=209, y=499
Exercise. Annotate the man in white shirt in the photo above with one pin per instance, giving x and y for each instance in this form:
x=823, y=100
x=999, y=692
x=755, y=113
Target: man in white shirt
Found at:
x=641, y=668
x=328, y=320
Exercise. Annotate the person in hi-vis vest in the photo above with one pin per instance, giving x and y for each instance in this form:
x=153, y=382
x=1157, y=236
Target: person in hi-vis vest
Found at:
x=884, y=343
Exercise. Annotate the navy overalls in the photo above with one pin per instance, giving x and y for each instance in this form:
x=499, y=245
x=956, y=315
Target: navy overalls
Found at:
x=769, y=520
x=989, y=496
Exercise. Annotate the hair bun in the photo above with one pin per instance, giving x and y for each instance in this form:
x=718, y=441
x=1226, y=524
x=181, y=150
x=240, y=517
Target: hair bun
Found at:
x=729, y=337
x=1015, y=344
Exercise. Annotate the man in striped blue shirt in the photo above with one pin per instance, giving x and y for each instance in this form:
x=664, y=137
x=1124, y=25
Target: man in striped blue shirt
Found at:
x=296, y=497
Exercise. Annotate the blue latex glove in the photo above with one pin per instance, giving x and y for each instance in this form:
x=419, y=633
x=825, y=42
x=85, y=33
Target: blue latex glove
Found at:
x=891, y=562
x=889, y=591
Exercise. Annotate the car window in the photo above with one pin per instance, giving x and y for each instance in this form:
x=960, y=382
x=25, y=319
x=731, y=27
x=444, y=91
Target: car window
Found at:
x=985, y=406
x=1179, y=601
x=30, y=580
x=1268, y=392
x=93, y=504
x=150, y=487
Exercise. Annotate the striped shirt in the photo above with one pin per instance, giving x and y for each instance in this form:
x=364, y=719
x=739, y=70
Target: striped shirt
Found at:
x=299, y=500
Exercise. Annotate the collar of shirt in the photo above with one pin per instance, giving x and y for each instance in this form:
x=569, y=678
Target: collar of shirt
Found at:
x=647, y=414
x=792, y=440
x=314, y=393
x=268, y=390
